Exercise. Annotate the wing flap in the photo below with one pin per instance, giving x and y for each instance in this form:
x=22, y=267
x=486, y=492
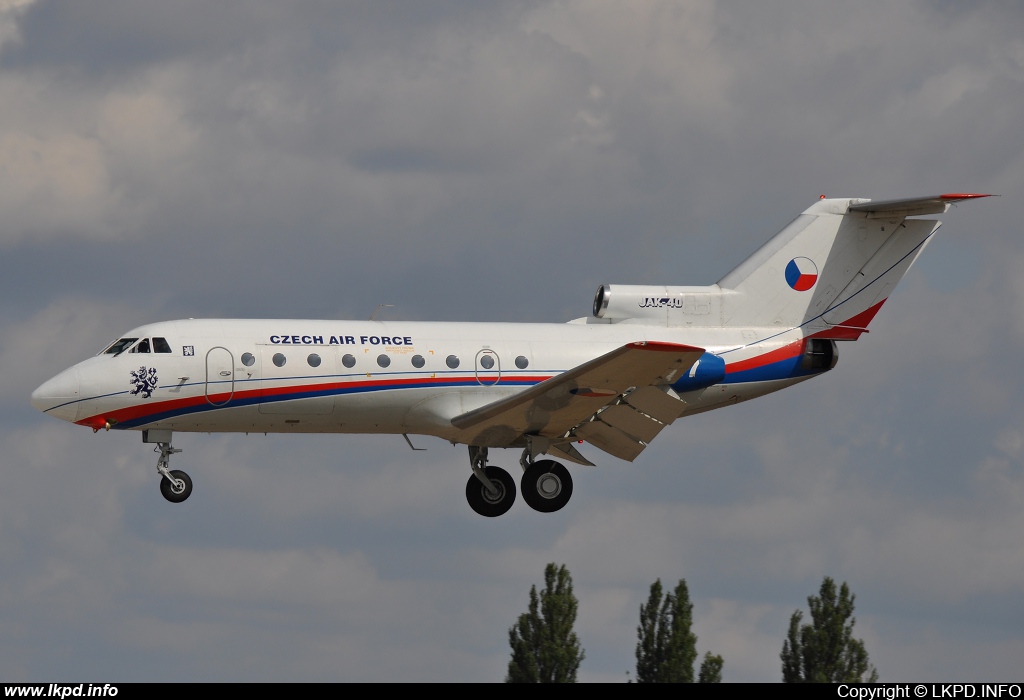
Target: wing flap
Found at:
x=569, y=453
x=611, y=440
x=632, y=422
x=656, y=403
x=558, y=404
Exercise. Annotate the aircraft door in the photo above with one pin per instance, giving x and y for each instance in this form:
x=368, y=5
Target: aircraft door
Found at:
x=488, y=367
x=220, y=376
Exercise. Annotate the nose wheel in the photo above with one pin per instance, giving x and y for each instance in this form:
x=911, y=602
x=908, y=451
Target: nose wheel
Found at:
x=176, y=488
x=175, y=485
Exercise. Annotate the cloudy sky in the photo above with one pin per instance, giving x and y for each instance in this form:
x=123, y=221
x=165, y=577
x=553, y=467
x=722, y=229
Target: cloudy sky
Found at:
x=499, y=161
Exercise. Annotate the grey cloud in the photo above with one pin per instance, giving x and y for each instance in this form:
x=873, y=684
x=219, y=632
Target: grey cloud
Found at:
x=499, y=161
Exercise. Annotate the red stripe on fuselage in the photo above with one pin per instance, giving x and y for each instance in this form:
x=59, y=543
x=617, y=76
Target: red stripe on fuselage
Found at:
x=131, y=413
x=784, y=353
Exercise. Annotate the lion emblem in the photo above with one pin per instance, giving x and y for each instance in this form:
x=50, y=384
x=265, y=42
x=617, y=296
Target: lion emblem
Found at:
x=144, y=381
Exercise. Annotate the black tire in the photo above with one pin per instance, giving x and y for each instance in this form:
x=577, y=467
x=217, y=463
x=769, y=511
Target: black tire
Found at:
x=168, y=489
x=546, y=486
x=481, y=500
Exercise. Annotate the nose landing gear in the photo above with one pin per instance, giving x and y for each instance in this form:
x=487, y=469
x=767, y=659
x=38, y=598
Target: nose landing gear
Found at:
x=175, y=485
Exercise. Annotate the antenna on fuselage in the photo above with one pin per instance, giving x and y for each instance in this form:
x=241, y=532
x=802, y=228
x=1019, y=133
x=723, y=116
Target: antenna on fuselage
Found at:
x=379, y=307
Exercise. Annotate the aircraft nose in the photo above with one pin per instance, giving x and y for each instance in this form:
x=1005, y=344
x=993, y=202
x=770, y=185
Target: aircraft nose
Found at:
x=59, y=396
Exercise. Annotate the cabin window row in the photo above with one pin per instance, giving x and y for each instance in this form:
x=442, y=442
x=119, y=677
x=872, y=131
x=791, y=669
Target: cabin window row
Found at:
x=383, y=360
x=160, y=345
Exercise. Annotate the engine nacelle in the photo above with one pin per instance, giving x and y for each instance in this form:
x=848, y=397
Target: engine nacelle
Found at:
x=708, y=371
x=683, y=306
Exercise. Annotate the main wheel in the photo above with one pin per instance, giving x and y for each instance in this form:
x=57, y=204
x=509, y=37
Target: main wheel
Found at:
x=546, y=486
x=178, y=490
x=483, y=501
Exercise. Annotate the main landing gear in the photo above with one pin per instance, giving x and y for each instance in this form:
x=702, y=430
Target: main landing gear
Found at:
x=547, y=486
x=491, y=491
x=175, y=485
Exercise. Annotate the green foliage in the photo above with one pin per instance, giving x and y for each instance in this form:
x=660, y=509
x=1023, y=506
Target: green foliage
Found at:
x=711, y=669
x=825, y=650
x=544, y=647
x=667, y=648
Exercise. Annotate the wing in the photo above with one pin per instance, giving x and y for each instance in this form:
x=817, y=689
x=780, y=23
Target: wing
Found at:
x=571, y=402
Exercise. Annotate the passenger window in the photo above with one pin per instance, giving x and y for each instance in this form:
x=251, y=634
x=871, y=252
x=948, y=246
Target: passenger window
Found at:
x=486, y=361
x=160, y=345
x=248, y=359
x=348, y=361
x=452, y=361
x=119, y=346
x=522, y=362
x=279, y=359
x=383, y=360
x=313, y=360
x=418, y=361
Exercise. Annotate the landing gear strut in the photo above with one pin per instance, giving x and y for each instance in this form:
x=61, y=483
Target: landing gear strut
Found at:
x=175, y=485
x=491, y=491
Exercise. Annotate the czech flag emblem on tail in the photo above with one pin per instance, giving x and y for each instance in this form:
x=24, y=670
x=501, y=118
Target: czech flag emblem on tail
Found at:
x=801, y=274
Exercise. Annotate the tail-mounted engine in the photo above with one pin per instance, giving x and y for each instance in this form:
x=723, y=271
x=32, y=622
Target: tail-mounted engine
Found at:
x=819, y=354
x=683, y=306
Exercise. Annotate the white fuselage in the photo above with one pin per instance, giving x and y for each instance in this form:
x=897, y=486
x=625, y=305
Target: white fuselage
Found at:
x=361, y=376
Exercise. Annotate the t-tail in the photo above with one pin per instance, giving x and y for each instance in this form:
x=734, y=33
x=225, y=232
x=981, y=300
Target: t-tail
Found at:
x=827, y=273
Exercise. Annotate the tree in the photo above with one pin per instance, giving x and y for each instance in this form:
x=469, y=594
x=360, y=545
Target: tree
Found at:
x=667, y=648
x=825, y=650
x=711, y=669
x=544, y=647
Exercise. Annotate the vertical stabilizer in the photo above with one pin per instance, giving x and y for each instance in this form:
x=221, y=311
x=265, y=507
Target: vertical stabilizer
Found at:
x=832, y=267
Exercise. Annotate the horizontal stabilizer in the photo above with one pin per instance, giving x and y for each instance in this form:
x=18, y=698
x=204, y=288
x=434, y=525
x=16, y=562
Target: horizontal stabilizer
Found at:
x=899, y=208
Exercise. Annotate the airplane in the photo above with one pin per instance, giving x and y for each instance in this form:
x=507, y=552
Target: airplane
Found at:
x=647, y=356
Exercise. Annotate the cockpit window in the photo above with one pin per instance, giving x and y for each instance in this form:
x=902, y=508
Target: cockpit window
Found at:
x=143, y=346
x=160, y=345
x=119, y=346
